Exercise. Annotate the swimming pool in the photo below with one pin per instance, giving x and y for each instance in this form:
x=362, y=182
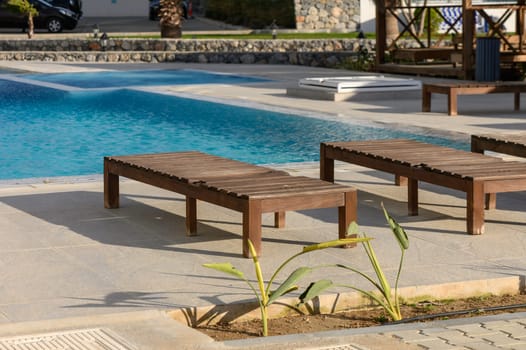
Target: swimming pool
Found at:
x=50, y=133
x=109, y=79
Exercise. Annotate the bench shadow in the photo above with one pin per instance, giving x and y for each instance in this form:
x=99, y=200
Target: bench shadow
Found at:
x=134, y=224
x=139, y=224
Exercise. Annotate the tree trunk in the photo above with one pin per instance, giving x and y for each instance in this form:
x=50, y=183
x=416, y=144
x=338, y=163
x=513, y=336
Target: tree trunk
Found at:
x=170, y=31
x=391, y=26
x=30, y=27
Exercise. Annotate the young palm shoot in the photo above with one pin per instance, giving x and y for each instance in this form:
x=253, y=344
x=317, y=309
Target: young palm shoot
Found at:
x=264, y=295
x=383, y=295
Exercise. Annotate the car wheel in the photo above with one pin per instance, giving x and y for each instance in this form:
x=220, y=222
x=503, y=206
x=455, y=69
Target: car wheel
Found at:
x=54, y=25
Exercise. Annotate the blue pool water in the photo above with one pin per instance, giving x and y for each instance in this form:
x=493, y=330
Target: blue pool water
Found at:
x=47, y=133
x=108, y=79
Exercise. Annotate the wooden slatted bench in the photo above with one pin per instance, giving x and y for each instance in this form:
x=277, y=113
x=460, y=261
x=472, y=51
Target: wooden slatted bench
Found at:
x=453, y=89
x=239, y=186
x=424, y=54
x=473, y=173
x=514, y=145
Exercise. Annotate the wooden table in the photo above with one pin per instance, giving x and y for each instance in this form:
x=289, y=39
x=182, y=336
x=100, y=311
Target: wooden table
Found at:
x=249, y=189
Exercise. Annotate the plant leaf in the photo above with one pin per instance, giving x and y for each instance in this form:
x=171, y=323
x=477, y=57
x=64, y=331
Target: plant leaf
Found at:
x=399, y=232
x=289, y=283
x=259, y=273
x=353, y=229
x=227, y=268
x=335, y=243
x=315, y=289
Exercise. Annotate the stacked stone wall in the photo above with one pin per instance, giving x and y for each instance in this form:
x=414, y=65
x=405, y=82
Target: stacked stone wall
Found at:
x=333, y=15
x=319, y=53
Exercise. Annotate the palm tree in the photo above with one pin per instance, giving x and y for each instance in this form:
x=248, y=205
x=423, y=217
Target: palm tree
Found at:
x=25, y=8
x=171, y=14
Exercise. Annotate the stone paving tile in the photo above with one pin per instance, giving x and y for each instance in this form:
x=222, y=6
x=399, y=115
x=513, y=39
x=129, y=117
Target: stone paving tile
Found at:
x=516, y=330
x=412, y=336
x=459, y=339
x=454, y=337
x=495, y=324
x=436, y=332
x=473, y=330
x=438, y=344
x=501, y=339
x=482, y=345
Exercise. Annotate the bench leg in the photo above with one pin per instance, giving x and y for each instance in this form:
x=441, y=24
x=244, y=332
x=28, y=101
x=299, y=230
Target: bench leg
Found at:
x=426, y=100
x=400, y=180
x=252, y=227
x=475, y=146
x=326, y=166
x=491, y=200
x=412, y=197
x=191, y=216
x=347, y=214
x=517, y=101
x=452, y=99
x=279, y=219
x=475, y=208
x=111, y=189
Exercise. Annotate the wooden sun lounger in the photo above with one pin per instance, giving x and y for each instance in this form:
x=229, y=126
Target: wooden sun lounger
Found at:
x=514, y=145
x=239, y=186
x=453, y=89
x=473, y=173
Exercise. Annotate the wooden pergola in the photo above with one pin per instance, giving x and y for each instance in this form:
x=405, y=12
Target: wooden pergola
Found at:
x=450, y=42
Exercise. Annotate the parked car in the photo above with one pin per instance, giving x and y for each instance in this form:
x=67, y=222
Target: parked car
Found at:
x=72, y=5
x=54, y=19
x=155, y=6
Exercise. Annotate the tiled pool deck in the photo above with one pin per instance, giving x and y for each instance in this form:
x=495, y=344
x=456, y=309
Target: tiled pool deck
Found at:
x=68, y=263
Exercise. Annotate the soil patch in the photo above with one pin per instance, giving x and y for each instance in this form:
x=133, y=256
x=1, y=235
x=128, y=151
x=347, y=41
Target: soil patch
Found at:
x=365, y=318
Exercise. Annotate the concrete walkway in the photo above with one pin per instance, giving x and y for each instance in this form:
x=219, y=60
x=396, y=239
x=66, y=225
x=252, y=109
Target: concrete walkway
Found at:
x=70, y=265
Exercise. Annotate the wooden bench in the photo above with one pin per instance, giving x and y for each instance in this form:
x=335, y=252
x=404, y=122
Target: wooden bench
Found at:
x=514, y=145
x=473, y=173
x=453, y=89
x=239, y=186
x=424, y=54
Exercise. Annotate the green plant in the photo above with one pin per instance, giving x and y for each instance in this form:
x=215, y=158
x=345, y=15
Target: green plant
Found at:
x=428, y=18
x=24, y=7
x=265, y=296
x=385, y=299
x=362, y=61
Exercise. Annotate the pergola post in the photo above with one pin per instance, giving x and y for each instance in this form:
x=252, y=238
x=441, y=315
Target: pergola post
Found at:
x=381, y=32
x=468, y=32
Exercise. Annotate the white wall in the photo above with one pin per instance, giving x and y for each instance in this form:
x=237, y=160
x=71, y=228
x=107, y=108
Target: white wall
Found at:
x=367, y=16
x=114, y=8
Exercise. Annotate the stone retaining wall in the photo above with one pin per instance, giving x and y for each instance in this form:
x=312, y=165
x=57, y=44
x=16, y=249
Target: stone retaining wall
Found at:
x=320, y=53
x=314, y=59
x=316, y=52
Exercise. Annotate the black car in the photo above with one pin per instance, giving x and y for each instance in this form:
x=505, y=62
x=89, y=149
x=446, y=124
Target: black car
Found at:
x=155, y=6
x=73, y=5
x=54, y=19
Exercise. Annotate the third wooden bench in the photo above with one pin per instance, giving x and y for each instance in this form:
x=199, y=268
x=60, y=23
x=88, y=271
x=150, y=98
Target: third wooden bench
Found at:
x=453, y=89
